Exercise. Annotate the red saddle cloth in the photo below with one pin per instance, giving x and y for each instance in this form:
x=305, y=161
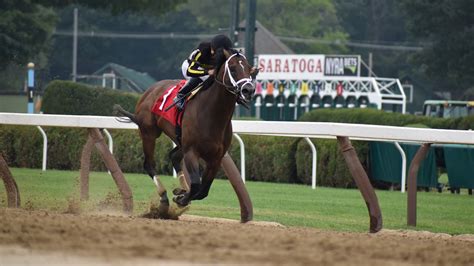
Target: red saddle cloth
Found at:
x=166, y=100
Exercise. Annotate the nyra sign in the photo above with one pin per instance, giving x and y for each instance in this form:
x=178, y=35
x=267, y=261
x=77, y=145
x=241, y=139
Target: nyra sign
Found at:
x=307, y=66
x=342, y=65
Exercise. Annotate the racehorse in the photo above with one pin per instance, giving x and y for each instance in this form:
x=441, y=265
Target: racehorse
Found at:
x=206, y=126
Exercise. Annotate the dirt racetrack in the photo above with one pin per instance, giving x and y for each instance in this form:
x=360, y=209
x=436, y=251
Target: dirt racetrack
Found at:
x=43, y=237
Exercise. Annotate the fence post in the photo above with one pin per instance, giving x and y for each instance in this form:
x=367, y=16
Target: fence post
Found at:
x=13, y=195
x=362, y=182
x=114, y=169
x=412, y=184
x=85, y=167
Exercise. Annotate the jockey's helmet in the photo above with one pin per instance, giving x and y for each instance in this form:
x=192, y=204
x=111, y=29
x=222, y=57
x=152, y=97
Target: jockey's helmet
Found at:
x=221, y=41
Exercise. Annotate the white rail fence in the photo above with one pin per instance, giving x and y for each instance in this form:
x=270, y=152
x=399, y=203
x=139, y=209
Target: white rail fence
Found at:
x=285, y=129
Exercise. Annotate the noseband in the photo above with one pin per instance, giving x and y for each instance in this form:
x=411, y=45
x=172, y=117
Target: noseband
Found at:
x=236, y=87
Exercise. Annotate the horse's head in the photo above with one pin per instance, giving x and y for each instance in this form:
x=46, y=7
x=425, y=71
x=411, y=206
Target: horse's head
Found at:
x=237, y=76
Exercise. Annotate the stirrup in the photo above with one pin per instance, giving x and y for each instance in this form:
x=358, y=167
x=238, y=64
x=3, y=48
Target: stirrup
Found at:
x=180, y=103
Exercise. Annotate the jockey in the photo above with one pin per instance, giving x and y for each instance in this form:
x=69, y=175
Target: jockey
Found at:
x=199, y=65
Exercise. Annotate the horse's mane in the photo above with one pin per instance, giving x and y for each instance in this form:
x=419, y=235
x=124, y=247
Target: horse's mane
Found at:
x=220, y=58
x=218, y=63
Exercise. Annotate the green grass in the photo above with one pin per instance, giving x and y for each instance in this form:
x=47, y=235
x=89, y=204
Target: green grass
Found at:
x=292, y=205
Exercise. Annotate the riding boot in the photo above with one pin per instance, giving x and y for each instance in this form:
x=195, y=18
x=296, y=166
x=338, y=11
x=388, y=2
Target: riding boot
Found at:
x=190, y=85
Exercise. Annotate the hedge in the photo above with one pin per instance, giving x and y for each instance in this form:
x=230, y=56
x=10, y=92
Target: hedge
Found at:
x=376, y=117
x=66, y=97
x=331, y=168
x=274, y=159
x=466, y=123
x=22, y=147
x=267, y=158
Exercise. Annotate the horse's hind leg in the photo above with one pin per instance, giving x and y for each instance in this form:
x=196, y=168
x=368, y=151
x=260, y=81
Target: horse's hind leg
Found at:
x=148, y=141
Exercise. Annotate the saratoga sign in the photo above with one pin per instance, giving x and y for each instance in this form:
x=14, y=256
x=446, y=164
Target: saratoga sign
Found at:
x=307, y=66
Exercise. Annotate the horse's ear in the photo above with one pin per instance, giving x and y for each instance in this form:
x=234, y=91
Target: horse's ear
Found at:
x=226, y=53
x=254, y=72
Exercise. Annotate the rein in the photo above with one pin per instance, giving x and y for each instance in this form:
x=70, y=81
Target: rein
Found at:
x=236, y=87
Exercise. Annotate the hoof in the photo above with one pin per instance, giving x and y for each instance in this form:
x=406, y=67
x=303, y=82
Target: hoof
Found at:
x=181, y=200
x=158, y=212
x=246, y=219
x=178, y=191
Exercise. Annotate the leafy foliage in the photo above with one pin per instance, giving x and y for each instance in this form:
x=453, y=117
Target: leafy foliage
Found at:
x=448, y=25
x=22, y=147
x=117, y=6
x=25, y=31
x=26, y=28
x=269, y=159
x=376, y=117
x=313, y=18
x=331, y=167
x=161, y=58
x=65, y=97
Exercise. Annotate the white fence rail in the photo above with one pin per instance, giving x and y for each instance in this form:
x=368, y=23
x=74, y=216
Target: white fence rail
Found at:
x=288, y=129
x=291, y=129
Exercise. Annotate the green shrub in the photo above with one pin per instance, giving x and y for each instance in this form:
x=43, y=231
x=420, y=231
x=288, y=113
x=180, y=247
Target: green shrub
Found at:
x=267, y=158
x=28, y=144
x=272, y=159
x=7, y=140
x=22, y=146
x=65, y=147
x=66, y=97
x=331, y=167
x=375, y=117
x=466, y=122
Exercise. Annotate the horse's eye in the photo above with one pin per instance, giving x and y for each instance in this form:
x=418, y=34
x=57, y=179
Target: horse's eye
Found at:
x=232, y=71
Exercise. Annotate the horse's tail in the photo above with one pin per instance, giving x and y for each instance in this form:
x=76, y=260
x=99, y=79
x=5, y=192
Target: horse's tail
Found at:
x=119, y=112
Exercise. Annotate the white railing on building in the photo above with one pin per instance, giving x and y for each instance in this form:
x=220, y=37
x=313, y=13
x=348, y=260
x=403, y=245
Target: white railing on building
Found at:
x=379, y=91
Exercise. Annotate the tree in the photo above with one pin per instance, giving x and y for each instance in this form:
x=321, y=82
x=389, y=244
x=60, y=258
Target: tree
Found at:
x=161, y=58
x=449, y=28
x=307, y=19
x=25, y=29
x=377, y=22
x=26, y=25
x=152, y=7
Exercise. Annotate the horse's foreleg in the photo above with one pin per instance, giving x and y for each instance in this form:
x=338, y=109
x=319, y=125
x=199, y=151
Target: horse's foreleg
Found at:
x=191, y=163
x=176, y=157
x=207, y=178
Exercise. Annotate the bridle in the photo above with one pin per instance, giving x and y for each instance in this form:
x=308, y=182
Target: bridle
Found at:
x=236, y=87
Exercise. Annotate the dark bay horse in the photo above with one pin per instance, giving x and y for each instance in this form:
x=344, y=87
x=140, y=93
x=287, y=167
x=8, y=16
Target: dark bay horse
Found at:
x=206, y=126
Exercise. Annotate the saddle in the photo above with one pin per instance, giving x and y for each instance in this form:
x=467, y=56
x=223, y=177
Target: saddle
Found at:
x=165, y=108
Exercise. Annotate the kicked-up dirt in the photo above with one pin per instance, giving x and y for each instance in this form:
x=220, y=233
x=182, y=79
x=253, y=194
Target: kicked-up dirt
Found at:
x=43, y=237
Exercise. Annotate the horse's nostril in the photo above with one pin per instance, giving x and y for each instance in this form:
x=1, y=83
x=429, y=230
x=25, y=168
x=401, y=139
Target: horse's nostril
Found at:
x=248, y=90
